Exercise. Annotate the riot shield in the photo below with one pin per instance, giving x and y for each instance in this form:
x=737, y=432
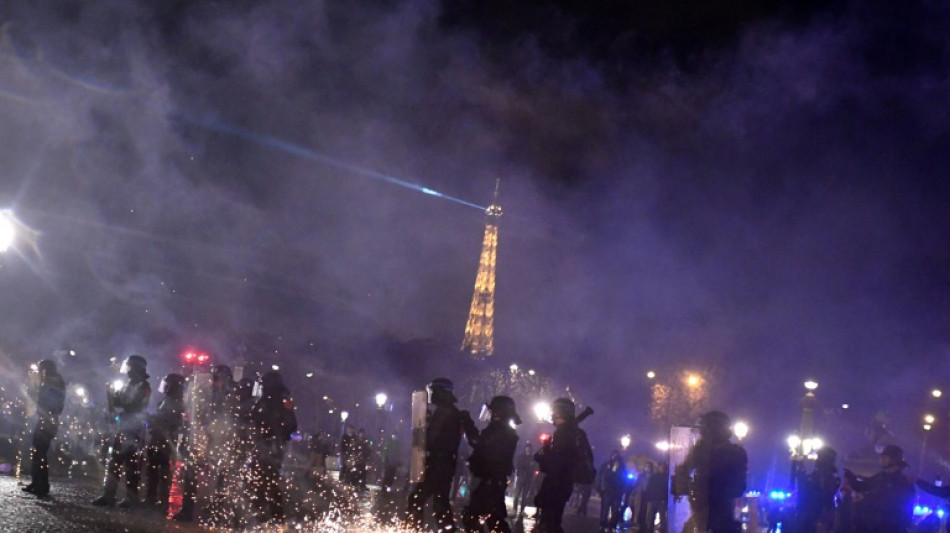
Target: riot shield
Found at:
x=417, y=449
x=678, y=515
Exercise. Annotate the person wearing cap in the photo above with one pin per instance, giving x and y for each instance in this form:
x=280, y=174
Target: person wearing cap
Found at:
x=443, y=434
x=491, y=462
x=888, y=496
x=128, y=405
x=557, y=460
x=48, y=391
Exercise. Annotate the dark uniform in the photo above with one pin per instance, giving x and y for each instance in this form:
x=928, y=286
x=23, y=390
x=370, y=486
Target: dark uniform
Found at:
x=816, y=493
x=164, y=428
x=715, y=470
x=887, y=505
x=556, y=460
x=211, y=445
x=443, y=435
x=491, y=462
x=128, y=404
x=272, y=422
x=49, y=393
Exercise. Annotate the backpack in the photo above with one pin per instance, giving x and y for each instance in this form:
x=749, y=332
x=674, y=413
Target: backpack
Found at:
x=583, y=471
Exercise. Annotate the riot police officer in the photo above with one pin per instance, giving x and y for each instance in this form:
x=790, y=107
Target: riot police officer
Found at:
x=128, y=404
x=213, y=432
x=444, y=428
x=556, y=460
x=491, y=462
x=272, y=422
x=48, y=391
x=165, y=426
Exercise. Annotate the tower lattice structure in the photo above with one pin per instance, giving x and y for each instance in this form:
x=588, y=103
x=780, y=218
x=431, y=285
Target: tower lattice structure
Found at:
x=479, y=341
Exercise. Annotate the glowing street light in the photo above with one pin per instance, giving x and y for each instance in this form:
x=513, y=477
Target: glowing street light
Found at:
x=81, y=392
x=513, y=367
x=740, y=429
x=693, y=381
x=936, y=393
x=344, y=415
x=651, y=375
x=542, y=410
x=275, y=368
x=7, y=230
x=381, y=399
x=811, y=385
x=625, y=441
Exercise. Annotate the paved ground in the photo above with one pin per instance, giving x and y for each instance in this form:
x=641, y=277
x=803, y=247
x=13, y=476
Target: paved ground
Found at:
x=67, y=510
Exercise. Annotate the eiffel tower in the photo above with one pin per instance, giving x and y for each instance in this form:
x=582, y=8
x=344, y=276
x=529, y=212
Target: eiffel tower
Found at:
x=479, y=341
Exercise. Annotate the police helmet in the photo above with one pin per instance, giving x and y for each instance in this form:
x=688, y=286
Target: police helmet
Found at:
x=563, y=407
x=715, y=425
x=440, y=391
x=134, y=364
x=172, y=385
x=221, y=372
x=503, y=407
x=46, y=366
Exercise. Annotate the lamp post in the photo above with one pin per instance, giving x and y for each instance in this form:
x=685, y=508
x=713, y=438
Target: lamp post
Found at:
x=625, y=442
x=927, y=426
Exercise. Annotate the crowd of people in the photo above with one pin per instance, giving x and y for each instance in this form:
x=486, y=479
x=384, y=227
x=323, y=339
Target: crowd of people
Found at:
x=230, y=436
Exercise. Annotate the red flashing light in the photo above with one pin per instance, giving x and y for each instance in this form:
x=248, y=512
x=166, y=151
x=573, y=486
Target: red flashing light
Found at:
x=188, y=357
x=544, y=437
x=202, y=359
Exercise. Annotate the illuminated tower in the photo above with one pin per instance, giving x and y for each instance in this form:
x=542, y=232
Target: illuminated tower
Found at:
x=479, y=339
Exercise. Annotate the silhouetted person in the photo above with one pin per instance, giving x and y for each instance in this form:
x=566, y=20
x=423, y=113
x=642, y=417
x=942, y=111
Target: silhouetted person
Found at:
x=610, y=486
x=491, y=462
x=48, y=390
x=557, y=460
x=656, y=492
x=443, y=435
x=888, y=496
x=166, y=425
x=272, y=422
x=349, y=449
x=128, y=405
x=816, y=494
x=715, y=469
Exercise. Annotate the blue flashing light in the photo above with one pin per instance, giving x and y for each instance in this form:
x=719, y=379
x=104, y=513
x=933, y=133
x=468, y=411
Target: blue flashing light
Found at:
x=630, y=475
x=922, y=510
x=940, y=513
x=780, y=495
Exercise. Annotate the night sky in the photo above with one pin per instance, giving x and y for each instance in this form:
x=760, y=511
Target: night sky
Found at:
x=757, y=191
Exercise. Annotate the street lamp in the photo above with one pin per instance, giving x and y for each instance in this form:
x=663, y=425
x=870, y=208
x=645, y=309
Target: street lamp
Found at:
x=381, y=399
x=651, y=374
x=740, y=429
x=7, y=230
x=928, y=425
x=936, y=393
x=625, y=442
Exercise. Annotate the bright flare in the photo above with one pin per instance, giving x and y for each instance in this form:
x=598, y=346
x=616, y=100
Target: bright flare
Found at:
x=7, y=231
x=740, y=429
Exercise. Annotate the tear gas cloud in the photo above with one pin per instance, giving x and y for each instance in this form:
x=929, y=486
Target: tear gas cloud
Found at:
x=769, y=210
